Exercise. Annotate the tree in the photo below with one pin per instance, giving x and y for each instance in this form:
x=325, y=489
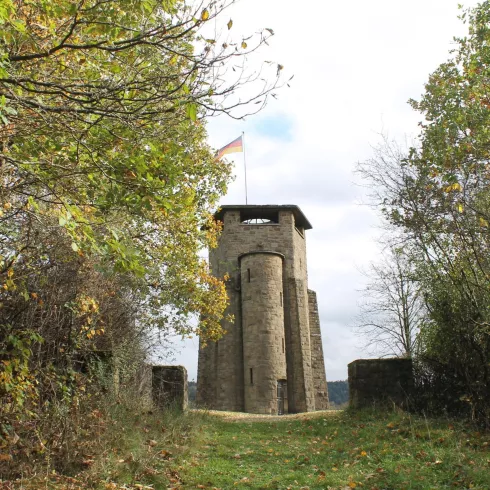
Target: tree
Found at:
x=437, y=196
x=393, y=312
x=338, y=393
x=102, y=104
x=107, y=182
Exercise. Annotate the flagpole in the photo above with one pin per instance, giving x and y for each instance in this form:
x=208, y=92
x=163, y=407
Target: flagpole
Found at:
x=245, y=167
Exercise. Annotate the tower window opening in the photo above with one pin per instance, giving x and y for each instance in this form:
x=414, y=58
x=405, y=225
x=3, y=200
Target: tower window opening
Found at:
x=248, y=275
x=259, y=217
x=251, y=376
x=258, y=221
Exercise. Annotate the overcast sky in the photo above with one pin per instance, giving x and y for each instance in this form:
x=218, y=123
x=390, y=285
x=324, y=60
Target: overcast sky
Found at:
x=355, y=65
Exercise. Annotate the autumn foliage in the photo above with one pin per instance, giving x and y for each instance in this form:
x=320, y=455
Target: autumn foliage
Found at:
x=107, y=190
x=435, y=197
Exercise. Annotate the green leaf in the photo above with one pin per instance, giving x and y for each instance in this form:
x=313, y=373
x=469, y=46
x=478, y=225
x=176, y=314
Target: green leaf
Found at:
x=192, y=111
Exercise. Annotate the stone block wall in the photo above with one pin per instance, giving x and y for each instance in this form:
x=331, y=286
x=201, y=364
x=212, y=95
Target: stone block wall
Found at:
x=317, y=360
x=169, y=387
x=207, y=374
x=238, y=238
x=264, y=353
x=228, y=376
x=374, y=382
x=299, y=374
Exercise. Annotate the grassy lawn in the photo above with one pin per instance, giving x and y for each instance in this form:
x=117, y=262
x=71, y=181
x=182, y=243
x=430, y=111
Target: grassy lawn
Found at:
x=339, y=450
x=323, y=450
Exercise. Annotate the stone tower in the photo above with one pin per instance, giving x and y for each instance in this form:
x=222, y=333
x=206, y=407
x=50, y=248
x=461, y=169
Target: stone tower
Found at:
x=270, y=360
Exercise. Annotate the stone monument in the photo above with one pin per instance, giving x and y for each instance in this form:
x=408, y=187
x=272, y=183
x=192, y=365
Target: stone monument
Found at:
x=270, y=360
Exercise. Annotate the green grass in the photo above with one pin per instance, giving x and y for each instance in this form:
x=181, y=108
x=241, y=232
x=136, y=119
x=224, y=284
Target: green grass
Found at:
x=340, y=451
x=324, y=450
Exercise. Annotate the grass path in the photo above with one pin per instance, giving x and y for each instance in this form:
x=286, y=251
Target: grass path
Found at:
x=321, y=450
x=253, y=417
x=335, y=450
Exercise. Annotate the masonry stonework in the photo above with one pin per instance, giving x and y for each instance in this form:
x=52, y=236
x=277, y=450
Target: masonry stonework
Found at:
x=375, y=382
x=319, y=378
x=169, y=387
x=271, y=358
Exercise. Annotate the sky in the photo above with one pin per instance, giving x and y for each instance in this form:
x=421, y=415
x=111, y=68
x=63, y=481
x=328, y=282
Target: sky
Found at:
x=355, y=65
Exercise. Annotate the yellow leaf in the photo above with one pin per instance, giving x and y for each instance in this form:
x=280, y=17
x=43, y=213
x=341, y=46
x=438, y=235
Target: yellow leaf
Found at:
x=460, y=208
x=352, y=484
x=363, y=453
x=205, y=14
x=244, y=45
x=483, y=222
x=230, y=24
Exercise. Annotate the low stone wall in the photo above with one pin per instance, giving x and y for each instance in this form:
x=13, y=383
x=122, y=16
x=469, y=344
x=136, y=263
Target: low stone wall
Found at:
x=374, y=382
x=169, y=387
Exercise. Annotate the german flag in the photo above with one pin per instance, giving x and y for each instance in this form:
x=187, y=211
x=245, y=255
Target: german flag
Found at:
x=236, y=146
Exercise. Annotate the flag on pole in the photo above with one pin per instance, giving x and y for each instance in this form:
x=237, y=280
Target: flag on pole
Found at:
x=236, y=146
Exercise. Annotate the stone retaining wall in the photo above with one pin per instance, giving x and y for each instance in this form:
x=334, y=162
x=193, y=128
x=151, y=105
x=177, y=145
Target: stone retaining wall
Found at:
x=374, y=382
x=169, y=387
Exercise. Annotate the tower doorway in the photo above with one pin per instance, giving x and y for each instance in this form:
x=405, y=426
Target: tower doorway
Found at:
x=281, y=396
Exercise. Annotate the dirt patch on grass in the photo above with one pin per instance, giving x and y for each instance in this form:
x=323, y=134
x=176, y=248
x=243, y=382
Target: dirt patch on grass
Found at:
x=254, y=417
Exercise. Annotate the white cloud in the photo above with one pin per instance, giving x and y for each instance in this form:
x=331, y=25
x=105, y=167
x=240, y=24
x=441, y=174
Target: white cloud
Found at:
x=355, y=64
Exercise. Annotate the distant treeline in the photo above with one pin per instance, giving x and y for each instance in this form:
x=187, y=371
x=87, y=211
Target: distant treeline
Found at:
x=338, y=392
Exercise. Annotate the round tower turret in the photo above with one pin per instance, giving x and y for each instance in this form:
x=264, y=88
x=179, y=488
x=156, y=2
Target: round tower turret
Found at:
x=264, y=357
